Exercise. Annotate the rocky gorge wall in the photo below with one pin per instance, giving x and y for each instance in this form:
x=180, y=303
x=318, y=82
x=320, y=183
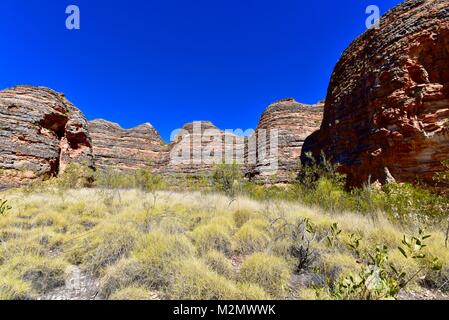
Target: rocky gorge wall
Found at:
x=293, y=123
x=386, y=115
x=40, y=133
x=126, y=149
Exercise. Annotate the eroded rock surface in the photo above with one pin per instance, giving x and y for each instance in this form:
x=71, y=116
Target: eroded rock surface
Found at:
x=199, y=146
x=387, y=110
x=126, y=149
x=294, y=122
x=40, y=133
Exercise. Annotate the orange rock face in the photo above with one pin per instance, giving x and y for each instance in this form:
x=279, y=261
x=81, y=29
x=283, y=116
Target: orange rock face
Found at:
x=40, y=133
x=387, y=110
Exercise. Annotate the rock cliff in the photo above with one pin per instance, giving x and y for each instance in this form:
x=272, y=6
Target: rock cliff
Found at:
x=294, y=122
x=126, y=149
x=40, y=133
x=387, y=109
x=199, y=146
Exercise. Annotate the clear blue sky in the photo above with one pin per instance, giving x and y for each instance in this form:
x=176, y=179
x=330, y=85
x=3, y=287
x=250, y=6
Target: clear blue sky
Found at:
x=169, y=62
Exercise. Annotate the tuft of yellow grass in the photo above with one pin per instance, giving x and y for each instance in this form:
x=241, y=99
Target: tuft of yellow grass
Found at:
x=269, y=272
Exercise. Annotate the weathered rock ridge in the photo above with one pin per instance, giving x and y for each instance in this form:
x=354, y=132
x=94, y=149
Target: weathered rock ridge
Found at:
x=126, y=149
x=200, y=145
x=40, y=133
x=387, y=109
x=293, y=122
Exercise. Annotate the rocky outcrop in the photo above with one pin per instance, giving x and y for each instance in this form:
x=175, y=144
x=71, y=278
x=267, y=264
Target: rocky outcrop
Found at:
x=293, y=123
x=387, y=109
x=126, y=149
x=40, y=133
x=199, y=146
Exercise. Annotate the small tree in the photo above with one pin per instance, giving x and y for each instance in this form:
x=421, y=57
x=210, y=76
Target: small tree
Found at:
x=149, y=182
x=311, y=172
x=228, y=178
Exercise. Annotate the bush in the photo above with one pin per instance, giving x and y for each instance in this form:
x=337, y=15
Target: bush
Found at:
x=213, y=236
x=43, y=274
x=125, y=273
x=142, y=179
x=250, y=239
x=379, y=279
x=228, y=178
x=194, y=281
x=147, y=181
x=134, y=294
x=269, y=272
x=406, y=202
x=103, y=246
x=219, y=263
x=158, y=254
x=241, y=217
x=316, y=169
x=443, y=177
x=114, y=179
x=250, y=291
x=13, y=287
x=75, y=176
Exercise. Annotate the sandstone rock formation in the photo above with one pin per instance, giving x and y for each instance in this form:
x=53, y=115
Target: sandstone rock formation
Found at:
x=199, y=146
x=126, y=149
x=40, y=133
x=294, y=122
x=387, y=110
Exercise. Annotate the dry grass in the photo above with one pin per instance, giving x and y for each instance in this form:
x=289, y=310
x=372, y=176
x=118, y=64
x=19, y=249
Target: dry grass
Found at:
x=177, y=245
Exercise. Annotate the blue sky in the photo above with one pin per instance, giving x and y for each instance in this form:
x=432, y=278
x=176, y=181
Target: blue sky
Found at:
x=169, y=62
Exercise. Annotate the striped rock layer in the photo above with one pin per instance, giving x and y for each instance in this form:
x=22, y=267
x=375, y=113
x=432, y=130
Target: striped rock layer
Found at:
x=387, y=109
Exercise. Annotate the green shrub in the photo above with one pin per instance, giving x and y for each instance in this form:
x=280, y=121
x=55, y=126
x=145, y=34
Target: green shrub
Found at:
x=408, y=202
x=125, y=273
x=228, y=178
x=250, y=239
x=147, y=181
x=103, y=246
x=316, y=169
x=113, y=179
x=443, y=177
x=12, y=287
x=217, y=262
x=43, y=274
x=75, y=176
x=379, y=279
x=241, y=217
x=195, y=281
x=269, y=272
x=213, y=236
x=158, y=254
